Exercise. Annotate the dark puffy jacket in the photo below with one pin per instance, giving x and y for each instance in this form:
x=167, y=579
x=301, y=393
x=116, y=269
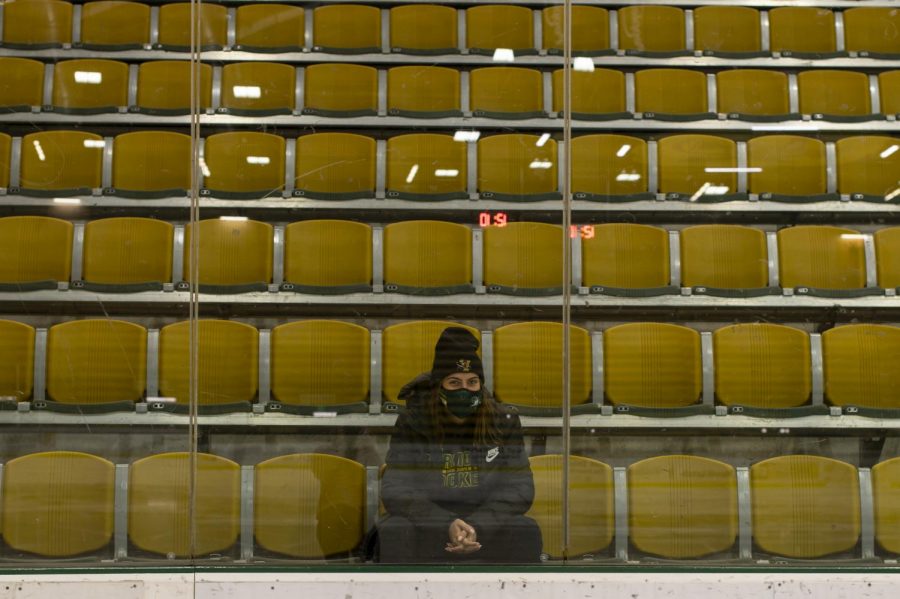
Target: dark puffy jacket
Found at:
x=428, y=481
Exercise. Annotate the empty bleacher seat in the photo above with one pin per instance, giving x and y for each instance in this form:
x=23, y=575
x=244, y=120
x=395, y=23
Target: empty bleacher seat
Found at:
x=698, y=168
x=89, y=86
x=5, y=158
x=889, y=92
x=610, y=168
x=804, y=506
x=347, y=29
x=258, y=88
x=178, y=513
x=590, y=30
x=269, y=28
x=873, y=31
x=626, y=259
x=427, y=257
x=596, y=95
x=60, y=163
x=320, y=365
x=803, y=32
x=682, y=506
x=887, y=257
x=860, y=365
x=425, y=29
x=426, y=166
x=127, y=254
x=164, y=87
x=327, y=256
x=727, y=31
x=591, y=505
x=151, y=164
x=753, y=95
x=340, y=90
x=175, y=26
x=228, y=368
x=656, y=31
x=725, y=260
x=886, y=499
x=335, y=166
x=22, y=84
x=823, y=260
x=867, y=167
x=500, y=27
x=524, y=258
x=652, y=368
x=506, y=93
x=421, y=91
x=528, y=367
x=235, y=256
x=672, y=94
x=114, y=25
x=37, y=252
x=513, y=167
x=244, y=164
x=16, y=361
x=835, y=95
x=309, y=506
x=37, y=24
x=58, y=504
x=788, y=168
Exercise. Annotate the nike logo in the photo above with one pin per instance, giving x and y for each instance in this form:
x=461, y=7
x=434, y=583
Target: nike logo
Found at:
x=491, y=454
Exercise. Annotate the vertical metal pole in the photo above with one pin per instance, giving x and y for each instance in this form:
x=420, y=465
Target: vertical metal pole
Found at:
x=567, y=269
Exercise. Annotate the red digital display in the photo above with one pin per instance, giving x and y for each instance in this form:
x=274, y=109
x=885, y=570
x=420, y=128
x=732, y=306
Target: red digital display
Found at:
x=497, y=219
x=584, y=231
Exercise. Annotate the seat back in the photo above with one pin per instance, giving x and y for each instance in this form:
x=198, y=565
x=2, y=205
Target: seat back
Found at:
x=591, y=504
x=724, y=257
x=512, y=164
x=682, y=507
x=152, y=161
x=423, y=28
x=752, y=92
x=320, y=363
x=670, y=91
x=886, y=499
x=804, y=29
x=651, y=364
x=58, y=503
x=22, y=85
x=499, y=26
x=127, y=250
x=625, y=255
x=35, y=248
x=423, y=89
x=601, y=91
x=258, y=86
x=231, y=252
x=165, y=86
x=822, y=257
x=90, y=85
x=727, y=29
x=269, y=28
x=860, y=365
x=427, y=254
x=16, y=360
x=426, y=165
x=227, y=358
x=790, y=165
x=328, y=253
x=5, y=156
x=341, y=88
x=867, y=165
x=115, y=25
x=804, y=506
x=589, y=31
x=175, y=26
x=309, y=506
x=611, y=165
x=872, y=29
x=63, y=162
x=37, y=24
x=335, y=165
x=683, y=160
x=506, y=90
x=651, y=29
x=889, y=91
x=347, y=28
x=887, y=257
x=524, y=256
x=245, y=162
x=161, y=516
x=834, y=93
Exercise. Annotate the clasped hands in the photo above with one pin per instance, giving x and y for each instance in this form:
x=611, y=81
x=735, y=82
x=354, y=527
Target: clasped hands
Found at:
x=463, y=538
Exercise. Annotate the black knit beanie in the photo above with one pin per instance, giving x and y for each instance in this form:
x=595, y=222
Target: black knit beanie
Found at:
x=454, y=352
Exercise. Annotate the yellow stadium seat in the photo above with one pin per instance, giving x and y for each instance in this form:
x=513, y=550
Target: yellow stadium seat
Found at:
x=872, y=31
x=528, y=367
x=60, y=163
x=271, y=28
x=5, y=157
x=684, y=161
x=178, y=513
x=725, y=260
x=37, y=252
x=151, y=164
x=506, y=93
x=753, y=95
x=235, y=256
x=426, y=92
x=524, y=259
x=803, y=32
x=175, y=26
x=728, y=31
x=823, y=260
x=671, y=94
x=127, y=254
x=513, y=167
x=257, y=88
x=16, y=360
x=867, y=168
x=426, y=166
x=887, y=257
x=835, y=95
x=114, y=25
x=792, y=168
x=96, y=364
x=408, y=351
x=860, y=365
x=682, y=507
x=309, y=506
x=609, y=168
x=427, y=257
x=327, y=256
x=347, y=29
x=58, y=504
x=335, y=166
x=886, y=499
x=164, y=87
x=424, y=29
x=591, y=505
x=656, y=31
x=889, y=92
x=804, y=506
x=652, y=368
x=36, y=24
x=244, y=164
x=89, y=86
x=596, y=96
x=496, y=26
x=320, y=365
x=228, y=365
x=22, y=85
x=626, y=259
x=763, y=369
x=590, y=31
x=341, y=90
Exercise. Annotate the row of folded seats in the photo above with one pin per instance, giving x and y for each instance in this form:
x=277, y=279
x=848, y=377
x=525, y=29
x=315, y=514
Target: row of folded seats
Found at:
x=94, y=86
x=314, y=506
x=425, y=257
x=650, y=369
x=726, y=31
x=514, y=167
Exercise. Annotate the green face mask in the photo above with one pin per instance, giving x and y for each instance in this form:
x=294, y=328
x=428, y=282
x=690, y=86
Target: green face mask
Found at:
x=462, y=403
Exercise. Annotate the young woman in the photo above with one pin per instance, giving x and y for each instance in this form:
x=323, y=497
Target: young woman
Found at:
x=457, y=482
